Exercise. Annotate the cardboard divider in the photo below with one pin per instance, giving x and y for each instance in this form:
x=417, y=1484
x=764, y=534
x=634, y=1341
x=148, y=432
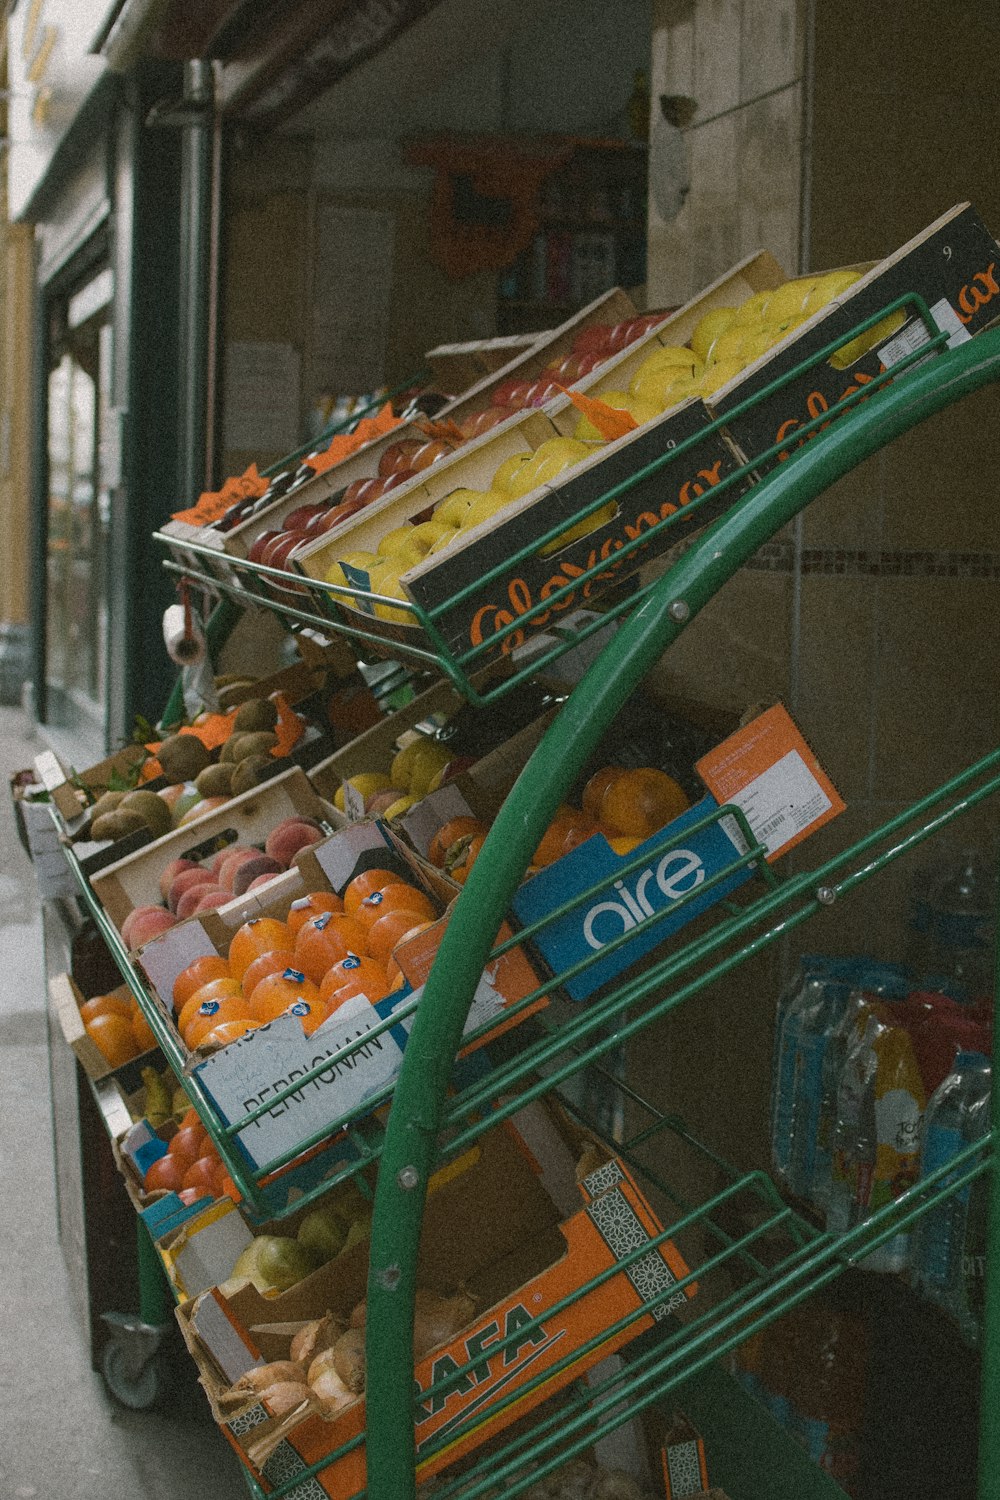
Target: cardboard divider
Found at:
x=245, y=819
x=240, y=1077
x=491, y=1231
x=64, y=785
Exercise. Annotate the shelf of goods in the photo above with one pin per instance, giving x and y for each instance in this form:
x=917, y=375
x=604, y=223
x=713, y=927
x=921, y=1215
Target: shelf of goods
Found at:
x=418, y=1158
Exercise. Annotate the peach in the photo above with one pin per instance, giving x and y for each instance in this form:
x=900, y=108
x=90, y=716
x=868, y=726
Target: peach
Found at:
x=285, y=841
x=146, y=922
x=258, y=881
x=183, y=882
x=188, y=902
x=218, y=860
x=227, y=870
x=248, y=871
x=169, y=871
x=212, y=897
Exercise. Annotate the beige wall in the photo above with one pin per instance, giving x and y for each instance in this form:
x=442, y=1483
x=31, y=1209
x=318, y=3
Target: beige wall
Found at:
x=15, y=428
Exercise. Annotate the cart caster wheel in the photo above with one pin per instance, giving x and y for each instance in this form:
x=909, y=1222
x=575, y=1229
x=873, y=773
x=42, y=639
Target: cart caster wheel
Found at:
x=137, y=1390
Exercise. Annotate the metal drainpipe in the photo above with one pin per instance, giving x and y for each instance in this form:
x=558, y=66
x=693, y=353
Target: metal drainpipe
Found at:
x=197, y=292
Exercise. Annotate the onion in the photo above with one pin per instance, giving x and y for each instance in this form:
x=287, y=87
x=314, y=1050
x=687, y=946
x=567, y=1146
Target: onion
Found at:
x=349, y=1359
x=264, y=1375
x=436, y=1319
x=357, y=1318
x=331, y=1392
x=320, y=1333
x=285, y=1396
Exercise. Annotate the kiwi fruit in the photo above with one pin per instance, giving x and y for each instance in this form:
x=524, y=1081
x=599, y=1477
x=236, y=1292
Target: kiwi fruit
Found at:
x=215, y=781
x=230, y=751
x=255, y=714
x=248, y=772
x=106, y=803
x=259, y=743
x=118, y=824
x=150, y=807
x=183, y=757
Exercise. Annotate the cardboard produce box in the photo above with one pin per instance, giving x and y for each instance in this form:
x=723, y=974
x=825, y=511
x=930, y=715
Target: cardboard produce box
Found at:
x=66, y=998
x=611, y=307
x=247, y=819
x=455, y=367
x=493, y=1230
x=72, y=791
x=362, y=1066
x=682, y=1459
x=951, y=265
x=765, y=768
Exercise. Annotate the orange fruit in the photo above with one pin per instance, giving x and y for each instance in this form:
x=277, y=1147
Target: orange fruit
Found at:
x=259, y=935
x=580, y=830
x=311, y=906
x=363, y=885
x=554, y=838
x=392, y=928
x=268, y=963
x=640, y=802
x=325, y=939
x=462, y=856
x=622, y=843
x=215, y=989
x=212, y=1013
x=367, y=977
x=142, y=1032
x=107, y=1005
x=165, y=1174
x=277, y=992
x=593, y=792
x=190, y=1117
x=228, y=1031
x=188, y=1143
x=311, y=1013
x=227, y=1188
x=397, y=897
x=455, y=828
x=209, y=966
x=202, y=1174
x=112, y=1035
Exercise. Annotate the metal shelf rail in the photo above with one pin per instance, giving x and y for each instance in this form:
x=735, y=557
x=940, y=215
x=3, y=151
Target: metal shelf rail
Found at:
x=419, y=1109
x=426, y=1122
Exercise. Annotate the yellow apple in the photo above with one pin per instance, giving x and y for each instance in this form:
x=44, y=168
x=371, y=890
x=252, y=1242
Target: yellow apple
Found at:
x=452, y=508
x=427, y=533
x=728, y=344
x=366, y=784
x=849, y=352
x=508, y=470
x=488, y=504
x=548, y=460
x=751, y=312
x=385, y=580
x=827, y=287
x=788, y=299
x=394, y=540
x=718, y=375
x=581, y=528
x=708, y=328
x=446, y=540
x=335, y=574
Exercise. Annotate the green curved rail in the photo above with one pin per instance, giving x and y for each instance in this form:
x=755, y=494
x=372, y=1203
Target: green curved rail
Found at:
x=418, y=1104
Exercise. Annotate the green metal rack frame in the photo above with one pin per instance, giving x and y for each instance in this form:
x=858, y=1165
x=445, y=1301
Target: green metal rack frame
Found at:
x=427, y=1122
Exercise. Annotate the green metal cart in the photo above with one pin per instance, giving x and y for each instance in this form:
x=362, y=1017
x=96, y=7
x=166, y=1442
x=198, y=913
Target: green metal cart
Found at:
x=432, y=1119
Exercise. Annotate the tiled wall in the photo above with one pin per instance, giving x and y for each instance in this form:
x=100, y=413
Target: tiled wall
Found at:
x=877, y=619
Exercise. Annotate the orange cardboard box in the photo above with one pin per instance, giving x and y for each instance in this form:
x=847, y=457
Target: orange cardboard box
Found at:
x=494, y=1230
x=768, y=770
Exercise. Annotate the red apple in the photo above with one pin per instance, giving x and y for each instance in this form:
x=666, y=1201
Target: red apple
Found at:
x=428, y=453
x=542, y=390
x=589, y=362
x=259, y=544
x=592, y=339
x=482, y=421
x=299, y=518
x=358, y=490
x=398, y=455
x=335, y=515
x=565, y=370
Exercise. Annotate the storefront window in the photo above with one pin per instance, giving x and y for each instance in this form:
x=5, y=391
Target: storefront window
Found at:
x=78, y=512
